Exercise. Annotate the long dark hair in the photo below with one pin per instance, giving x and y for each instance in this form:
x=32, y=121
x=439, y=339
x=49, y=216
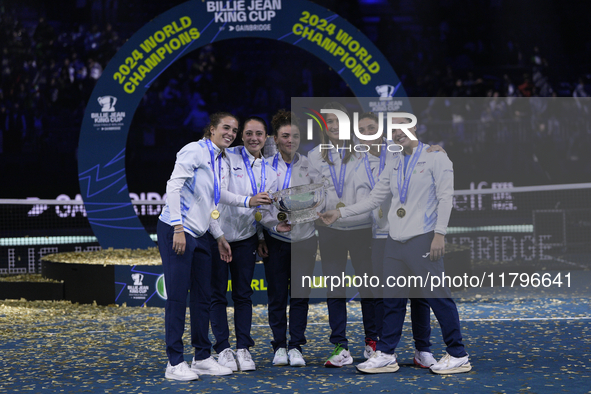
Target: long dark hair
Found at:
x=257, y=119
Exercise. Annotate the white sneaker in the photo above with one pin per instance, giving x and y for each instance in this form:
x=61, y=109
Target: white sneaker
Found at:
x=209, y=367
x=339, y=358
x=449, y=364
x=424, y=359
x=180, y=372
x=379, y=363
x=226, y=358
x=245, y=362
x=280, y=357
x=295, y=358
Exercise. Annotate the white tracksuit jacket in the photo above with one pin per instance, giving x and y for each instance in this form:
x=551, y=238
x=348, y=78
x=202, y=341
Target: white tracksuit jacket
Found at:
x=237, y=218
x=380, y=227
x=429, y=200
x=190, y=189
x=356, y=186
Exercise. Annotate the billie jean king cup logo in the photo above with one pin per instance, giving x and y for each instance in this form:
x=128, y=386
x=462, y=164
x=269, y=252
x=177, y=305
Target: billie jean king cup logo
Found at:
x=345, y=126
x=385, y=90
x=107, y=103
x=137, y=279
x=298, y=204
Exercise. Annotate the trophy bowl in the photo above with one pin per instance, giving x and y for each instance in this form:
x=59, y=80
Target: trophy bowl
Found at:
x=298, y=204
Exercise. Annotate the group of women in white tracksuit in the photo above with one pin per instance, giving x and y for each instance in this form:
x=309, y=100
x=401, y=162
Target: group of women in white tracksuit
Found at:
x=218, y=215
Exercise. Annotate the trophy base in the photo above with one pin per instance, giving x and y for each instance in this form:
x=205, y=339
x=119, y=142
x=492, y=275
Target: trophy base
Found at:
x=299, y=202
x=302, y=216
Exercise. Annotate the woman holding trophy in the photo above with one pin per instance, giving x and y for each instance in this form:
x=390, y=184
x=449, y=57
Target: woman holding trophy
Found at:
x=352, y=236
x=421, y=187
x=279, y=248
x=250, y=176
x=375, y=162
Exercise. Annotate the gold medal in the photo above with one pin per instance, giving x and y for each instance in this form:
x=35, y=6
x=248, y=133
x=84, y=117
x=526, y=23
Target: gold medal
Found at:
x=215, y=214
x=340, y=205
x=401, y=212
x=258, y=216
x=281, y=216
x=380, y=213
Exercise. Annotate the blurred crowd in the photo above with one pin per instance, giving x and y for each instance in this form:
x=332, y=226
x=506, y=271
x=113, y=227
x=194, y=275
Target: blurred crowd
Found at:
x=47, y=75
x=532, y=140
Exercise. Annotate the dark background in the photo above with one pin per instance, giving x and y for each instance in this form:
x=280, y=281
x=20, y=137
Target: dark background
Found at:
x=52, y=52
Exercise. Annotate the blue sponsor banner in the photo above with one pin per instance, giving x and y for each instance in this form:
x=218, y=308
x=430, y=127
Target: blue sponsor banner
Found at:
x=141, y=285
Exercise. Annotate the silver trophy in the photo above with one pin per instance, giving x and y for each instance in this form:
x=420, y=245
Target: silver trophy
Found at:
x=298, y=204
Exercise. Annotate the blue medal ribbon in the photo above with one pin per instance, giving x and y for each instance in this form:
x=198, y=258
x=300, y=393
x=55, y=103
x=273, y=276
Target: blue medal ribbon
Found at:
x=216, y=185
x=287, y=178
x=372, y=182
x=253, y=183
x=403, y=185
x=341, y=184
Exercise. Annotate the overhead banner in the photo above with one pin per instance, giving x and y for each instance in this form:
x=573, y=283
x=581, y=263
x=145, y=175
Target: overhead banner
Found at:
x=187, y=27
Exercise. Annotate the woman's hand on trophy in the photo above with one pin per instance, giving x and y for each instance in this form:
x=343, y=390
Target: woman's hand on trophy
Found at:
x=330, y=217
x=261, y=198
x=283, y=227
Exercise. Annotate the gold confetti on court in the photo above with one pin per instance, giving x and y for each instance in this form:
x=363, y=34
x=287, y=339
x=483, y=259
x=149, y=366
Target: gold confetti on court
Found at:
x=70, y=348
x=110, y=256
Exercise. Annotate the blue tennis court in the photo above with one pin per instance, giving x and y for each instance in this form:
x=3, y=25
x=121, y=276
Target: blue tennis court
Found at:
x=518, y=342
